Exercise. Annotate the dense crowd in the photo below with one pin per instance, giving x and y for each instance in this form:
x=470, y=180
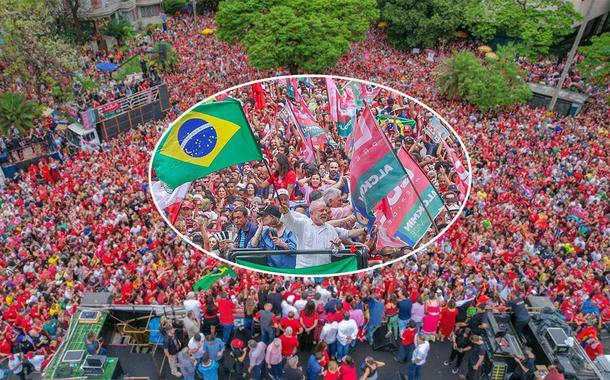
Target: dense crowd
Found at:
x=536, y=223
x=239, y=205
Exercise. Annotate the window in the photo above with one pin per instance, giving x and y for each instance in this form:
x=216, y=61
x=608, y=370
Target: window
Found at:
x=127, y=16
x=149, y=11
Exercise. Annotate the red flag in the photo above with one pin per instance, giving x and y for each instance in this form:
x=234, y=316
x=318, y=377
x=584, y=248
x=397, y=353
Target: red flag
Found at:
x=384, y=239
x=172, y=212
x=259, y=96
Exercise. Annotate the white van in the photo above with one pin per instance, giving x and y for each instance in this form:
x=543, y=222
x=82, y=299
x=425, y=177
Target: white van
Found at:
x=85, y=139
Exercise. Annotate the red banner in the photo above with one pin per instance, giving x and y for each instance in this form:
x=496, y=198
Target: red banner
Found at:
x=109, y=109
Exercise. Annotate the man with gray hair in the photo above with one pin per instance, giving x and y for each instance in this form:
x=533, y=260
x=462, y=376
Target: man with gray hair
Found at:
x=192, y=304
x=291, y=371
x=274, y=359
x=314, y=233
x=341, y=215
x=290, y=343
x=257, y=358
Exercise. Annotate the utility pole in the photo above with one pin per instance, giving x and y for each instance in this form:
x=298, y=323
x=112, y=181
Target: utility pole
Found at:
x=195, y=13
x=570, y=59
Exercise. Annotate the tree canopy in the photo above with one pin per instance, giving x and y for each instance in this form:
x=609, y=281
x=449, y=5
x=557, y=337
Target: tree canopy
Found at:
x=537, y=24
x=120, y=29
x=596, y=64
x=31, y=52
x=421, y=23
x=309, y=35
x=16, y=111
x=490, y=85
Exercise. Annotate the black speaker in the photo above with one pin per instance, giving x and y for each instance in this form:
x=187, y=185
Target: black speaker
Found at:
x=96, y=299
x=381, y=343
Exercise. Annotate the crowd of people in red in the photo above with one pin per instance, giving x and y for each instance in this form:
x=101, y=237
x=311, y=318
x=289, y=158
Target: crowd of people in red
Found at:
x=536, y=221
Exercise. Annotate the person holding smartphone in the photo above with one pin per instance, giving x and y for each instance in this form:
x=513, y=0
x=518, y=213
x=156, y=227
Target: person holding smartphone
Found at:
x=272, y=235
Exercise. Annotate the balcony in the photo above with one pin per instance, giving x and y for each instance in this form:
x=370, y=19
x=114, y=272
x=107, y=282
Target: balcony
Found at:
x=105, y=8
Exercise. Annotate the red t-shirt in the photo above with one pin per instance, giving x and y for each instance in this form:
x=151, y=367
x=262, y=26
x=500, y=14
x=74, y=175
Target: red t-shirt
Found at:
x=332, y=376
x=594, y=350
x=348, y=373
x=289, y=179
x=308, y=321
x=294, y=323
x=408, y=336
x=288, y=344
x=225, y=309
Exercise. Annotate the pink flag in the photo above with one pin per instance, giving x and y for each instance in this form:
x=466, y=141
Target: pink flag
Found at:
x=463, y=177
x=368, y=95
x=309, y=153
x=306, y=122
x=332, y=99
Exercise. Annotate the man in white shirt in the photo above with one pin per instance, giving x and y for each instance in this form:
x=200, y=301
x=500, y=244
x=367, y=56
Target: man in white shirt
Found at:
x=419, y=357
x=191, y=303
x=195, y=346
x=347, y=332
x=315, y=233
x=287, y=307
x=329, y=336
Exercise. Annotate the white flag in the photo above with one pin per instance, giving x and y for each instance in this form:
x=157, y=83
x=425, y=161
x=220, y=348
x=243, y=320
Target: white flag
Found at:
x=165, y=197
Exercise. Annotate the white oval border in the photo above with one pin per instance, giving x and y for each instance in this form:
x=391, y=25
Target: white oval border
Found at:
x=378, y=266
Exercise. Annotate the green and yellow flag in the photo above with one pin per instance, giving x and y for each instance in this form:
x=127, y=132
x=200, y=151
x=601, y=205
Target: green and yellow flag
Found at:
x=206, y=282
x=208, y=138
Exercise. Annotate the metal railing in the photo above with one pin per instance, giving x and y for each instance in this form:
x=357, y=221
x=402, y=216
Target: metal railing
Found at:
x=119, y=106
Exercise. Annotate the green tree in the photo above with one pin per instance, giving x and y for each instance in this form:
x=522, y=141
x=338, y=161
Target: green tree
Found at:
x=31, y=51
x=461, y=67
x=120, y=29
x=537, y=24
x=173, y=6
x=309, y=35
x=596, y=64
x=18, y=112
x=421, y=23
x=490, y=85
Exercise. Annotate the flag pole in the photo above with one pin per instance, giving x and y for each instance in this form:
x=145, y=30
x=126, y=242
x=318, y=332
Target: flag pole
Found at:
x=385, y=138
x=270, y=176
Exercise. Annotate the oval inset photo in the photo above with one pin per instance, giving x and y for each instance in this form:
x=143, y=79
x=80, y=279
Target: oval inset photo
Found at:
x=310, y=175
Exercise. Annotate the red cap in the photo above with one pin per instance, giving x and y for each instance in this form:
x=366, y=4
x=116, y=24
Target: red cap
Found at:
x=237, y=343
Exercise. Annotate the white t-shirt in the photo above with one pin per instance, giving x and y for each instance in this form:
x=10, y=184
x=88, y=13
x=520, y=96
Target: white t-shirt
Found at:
x=421, y=353
x=193, y=305
x=287, y=308
x=197, y=345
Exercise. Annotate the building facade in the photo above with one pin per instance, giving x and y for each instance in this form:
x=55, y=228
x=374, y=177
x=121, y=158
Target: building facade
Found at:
x=139, y=12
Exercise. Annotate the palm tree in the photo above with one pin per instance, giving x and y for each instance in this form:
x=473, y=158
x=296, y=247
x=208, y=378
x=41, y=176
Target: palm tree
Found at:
x=455, y=70
x=16, y=111
x=119, y=29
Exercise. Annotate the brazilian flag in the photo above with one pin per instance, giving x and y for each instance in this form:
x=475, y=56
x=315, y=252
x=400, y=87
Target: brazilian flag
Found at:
x=206, y=282
x=206, y=139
